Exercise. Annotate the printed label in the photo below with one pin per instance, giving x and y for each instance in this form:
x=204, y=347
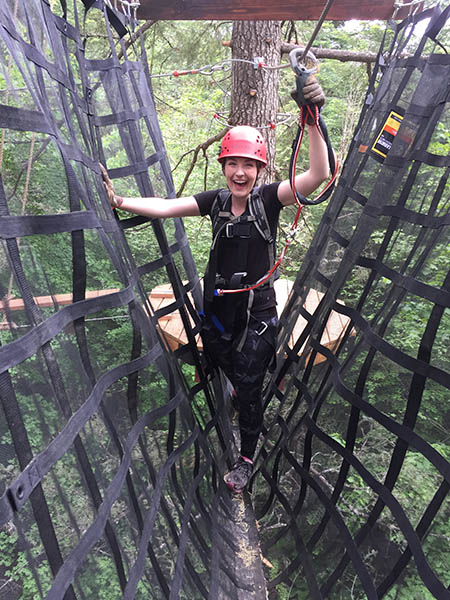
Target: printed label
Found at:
x=383, y=141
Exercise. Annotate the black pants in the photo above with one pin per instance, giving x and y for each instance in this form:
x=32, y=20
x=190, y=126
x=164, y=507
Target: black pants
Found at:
x=246, y=370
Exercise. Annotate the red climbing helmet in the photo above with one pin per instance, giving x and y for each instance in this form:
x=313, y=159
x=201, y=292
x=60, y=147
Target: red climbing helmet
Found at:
x=243, y=141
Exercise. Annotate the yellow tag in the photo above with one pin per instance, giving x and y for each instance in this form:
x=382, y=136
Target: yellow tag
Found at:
x=383, y=141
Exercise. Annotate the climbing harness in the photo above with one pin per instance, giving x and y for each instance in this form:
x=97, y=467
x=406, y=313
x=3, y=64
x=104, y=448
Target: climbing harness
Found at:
x=307, y=111
x=227, y=225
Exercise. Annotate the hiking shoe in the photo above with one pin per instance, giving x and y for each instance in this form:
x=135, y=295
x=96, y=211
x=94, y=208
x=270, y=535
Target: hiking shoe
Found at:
x=239, y=476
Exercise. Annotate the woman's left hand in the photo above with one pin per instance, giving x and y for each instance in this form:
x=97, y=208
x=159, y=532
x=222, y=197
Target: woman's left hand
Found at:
x=313, y=91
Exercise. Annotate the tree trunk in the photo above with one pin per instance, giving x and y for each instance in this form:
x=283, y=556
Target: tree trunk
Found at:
x=254, y=92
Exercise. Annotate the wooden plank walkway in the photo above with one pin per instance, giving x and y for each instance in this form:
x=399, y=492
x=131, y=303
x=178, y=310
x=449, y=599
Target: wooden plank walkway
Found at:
x=171, y=325
x=58, y=299
x=174, y=333
x=46, y=302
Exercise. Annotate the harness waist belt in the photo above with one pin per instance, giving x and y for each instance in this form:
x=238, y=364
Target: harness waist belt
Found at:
x=236, y=283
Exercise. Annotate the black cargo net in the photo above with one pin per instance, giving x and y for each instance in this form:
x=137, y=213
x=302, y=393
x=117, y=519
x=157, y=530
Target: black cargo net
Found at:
x=111, y=454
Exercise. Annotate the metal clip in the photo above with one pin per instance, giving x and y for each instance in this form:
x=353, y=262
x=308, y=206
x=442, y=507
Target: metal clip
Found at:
x=290, y=237
x=236, y=280
x=229, y=230
x=263, y=329
x=301, y=73
x=308, y=63
x=258, y=62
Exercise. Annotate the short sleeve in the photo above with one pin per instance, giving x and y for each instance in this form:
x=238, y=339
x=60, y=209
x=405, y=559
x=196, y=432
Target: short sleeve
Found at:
x=205, y=201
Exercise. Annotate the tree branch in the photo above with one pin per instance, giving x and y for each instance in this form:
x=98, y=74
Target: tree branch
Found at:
x=203, y=147
x=135, y=35
x=342, y=55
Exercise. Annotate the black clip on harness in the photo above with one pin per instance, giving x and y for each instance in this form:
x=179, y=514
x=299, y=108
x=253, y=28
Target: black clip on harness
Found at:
x=306, y=110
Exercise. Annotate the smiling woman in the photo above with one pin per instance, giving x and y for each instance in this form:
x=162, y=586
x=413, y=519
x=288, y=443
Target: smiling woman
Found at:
x=240, y=174
x=242, y=155
x=240, y=318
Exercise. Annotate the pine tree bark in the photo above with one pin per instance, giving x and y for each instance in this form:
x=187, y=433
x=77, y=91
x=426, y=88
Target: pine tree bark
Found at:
x=254, y=92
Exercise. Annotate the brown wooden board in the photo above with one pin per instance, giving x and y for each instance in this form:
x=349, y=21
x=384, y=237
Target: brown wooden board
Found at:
x=297, y=10
x=335, y=327
x=173, y=331
x=57, y=299
x=171, y=325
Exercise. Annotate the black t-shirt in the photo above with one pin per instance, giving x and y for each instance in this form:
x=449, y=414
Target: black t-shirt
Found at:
x=250, y=255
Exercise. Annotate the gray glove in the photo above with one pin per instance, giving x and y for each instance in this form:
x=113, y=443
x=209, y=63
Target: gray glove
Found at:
x=312, y=93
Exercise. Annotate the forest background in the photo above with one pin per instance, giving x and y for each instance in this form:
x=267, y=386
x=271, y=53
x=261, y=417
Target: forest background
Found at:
x=186, y=107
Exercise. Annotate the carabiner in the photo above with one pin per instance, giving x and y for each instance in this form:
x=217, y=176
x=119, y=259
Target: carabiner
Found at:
x=298, y=62
x=301, y=72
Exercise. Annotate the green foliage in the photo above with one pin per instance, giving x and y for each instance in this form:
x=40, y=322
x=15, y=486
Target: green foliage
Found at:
x=186, y=108
x=18, y=568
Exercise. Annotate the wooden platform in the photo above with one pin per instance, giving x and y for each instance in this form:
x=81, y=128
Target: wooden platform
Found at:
x=45, y=302
x=171, y=325
x=58, y=299
x=174, y=333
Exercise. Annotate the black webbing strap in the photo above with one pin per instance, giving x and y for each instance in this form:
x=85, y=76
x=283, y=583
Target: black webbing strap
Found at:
x=415, y=397
x=73, y=561
x=27, y=345
x=370, y=343
x=40, y=465
x=345, y=535
x=38, y=502
x=20, y=119
x=428, y=576
x=116, y=19
x=180, y=293
x=12, y=227
x=19, y=493
x=138, y=567
x=421, y=530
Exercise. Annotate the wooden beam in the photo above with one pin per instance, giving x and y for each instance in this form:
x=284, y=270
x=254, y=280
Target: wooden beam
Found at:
x=252, y=10
x=51, y=301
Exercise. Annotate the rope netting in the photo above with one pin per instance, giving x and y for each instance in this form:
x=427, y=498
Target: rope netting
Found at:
x=383, y=389
x=111, y=454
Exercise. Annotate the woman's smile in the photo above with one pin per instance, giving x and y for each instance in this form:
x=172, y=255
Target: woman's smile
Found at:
x=240, y=174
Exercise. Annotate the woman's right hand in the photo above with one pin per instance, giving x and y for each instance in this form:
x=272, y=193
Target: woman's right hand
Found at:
x=115, y=201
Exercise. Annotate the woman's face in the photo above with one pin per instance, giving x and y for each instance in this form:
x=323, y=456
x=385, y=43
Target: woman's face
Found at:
x=241, y=174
